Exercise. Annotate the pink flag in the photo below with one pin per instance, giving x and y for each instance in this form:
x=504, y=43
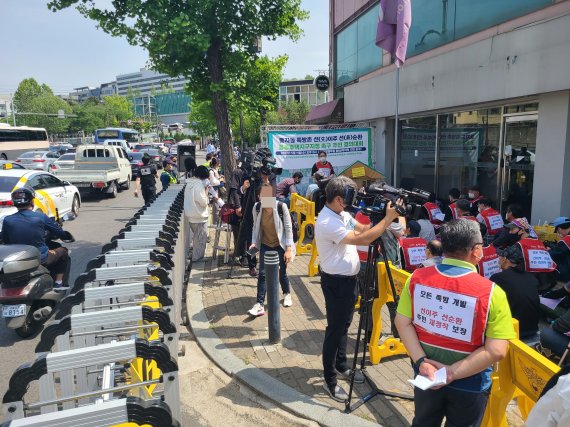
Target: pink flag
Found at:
x=393, y=28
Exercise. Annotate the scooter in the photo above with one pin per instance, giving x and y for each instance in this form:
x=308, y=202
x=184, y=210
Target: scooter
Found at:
x=27, y=291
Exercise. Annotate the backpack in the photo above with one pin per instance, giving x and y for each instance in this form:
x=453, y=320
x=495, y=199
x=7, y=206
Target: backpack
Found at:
x=294, y=223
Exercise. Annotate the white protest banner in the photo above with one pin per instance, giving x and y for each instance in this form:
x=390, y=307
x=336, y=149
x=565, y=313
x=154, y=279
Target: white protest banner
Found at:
x=445, y=313
x=298, y=150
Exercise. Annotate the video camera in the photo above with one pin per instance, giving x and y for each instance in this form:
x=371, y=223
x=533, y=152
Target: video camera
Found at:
x=378, y=196
x=253, y=161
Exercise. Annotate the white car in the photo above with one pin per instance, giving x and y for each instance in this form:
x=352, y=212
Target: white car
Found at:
x=53, y=196
x=66, y=161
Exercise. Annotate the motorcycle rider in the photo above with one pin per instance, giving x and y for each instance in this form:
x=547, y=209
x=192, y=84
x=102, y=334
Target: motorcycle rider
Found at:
x=28, y=227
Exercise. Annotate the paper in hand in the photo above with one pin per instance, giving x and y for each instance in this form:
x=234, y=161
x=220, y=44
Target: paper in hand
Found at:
x=424, y=383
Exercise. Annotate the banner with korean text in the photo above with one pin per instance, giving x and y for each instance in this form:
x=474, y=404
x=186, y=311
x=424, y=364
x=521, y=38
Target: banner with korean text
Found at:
x=298, y=150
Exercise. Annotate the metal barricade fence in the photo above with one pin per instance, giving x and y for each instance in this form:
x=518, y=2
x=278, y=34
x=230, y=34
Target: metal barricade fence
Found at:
x=110, y=355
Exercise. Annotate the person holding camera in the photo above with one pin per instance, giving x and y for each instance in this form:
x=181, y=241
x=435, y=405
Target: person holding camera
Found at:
x=336, y=235
x=272, y=231
x=451, y=317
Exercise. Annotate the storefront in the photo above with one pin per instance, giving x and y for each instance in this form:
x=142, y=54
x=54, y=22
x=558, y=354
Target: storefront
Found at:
x=494, y=148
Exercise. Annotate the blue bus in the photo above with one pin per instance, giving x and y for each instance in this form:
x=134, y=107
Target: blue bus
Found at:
x=129, y=135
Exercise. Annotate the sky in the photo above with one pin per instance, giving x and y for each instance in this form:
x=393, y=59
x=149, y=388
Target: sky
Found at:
x=66, y=50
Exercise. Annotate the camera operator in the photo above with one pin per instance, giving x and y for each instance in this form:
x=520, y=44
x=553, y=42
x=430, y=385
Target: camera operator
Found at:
x=336, y=235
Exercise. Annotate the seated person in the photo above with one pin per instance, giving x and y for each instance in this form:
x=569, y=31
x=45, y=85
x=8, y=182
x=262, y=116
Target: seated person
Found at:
x=427, y=231
x=314, y=186
x=560, y=252
x=463, y=208
x=557, y=337
x=413, y=228
x=288, y=186
x=450, y=212
x=521, y=289
x=475, y=196
x=434, y=254
x=504, y=238
x=490, y=218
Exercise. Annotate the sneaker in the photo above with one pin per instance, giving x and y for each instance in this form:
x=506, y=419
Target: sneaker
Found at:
x=358, y=375
x=243, y=262
x=287, y=301
x=253, y=272
x=61, y=288
x=257, y=310
x=337, y=394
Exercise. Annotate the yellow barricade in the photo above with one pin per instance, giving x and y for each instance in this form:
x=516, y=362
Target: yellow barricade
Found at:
x=305, y=210
x=546, y=233
x=521, y=375
x=390, y=346
x=313, y=264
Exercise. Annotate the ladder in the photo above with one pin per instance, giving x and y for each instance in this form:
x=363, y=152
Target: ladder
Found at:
x=220, y=228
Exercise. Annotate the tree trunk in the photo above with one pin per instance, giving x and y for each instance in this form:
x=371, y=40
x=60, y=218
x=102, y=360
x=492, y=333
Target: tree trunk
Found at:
x=220, y=107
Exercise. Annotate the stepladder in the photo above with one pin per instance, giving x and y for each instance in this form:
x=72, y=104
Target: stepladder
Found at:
x=222, y=240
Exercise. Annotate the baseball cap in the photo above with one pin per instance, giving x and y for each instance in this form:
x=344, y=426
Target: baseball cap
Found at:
x=521, y=223
x=414, y=227
x=561, y=220
x=513, y=253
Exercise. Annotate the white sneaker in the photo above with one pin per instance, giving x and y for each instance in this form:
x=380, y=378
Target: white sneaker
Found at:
x=257, y=310
x=287, y=301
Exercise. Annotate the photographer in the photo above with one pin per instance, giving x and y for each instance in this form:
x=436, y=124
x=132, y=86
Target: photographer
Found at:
x=336, y=237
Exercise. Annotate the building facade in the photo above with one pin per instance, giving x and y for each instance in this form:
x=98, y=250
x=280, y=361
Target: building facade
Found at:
x=146, y=82
x=484, y=97
x=301, y=90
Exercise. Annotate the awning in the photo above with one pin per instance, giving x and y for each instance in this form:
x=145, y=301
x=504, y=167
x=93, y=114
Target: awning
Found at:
x=330, y=112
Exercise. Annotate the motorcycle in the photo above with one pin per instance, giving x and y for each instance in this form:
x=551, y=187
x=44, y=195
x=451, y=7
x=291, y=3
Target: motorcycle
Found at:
x=27, y=292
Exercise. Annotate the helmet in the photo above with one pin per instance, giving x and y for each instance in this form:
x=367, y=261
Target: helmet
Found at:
x=23, y=197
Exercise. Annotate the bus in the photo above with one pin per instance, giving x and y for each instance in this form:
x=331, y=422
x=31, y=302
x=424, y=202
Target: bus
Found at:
x=15, y=140
x=129, y=135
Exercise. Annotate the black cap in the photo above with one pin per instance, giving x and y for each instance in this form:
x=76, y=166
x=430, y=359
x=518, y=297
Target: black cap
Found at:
x=513, y=253
x=463, y=205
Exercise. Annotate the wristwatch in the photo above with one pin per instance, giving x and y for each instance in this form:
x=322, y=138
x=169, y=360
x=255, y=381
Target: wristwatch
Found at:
x=419, y=362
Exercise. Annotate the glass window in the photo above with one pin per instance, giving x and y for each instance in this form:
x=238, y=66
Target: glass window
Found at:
x=7, y=183
x=437, y=23
x=416, y=155
x=51, y=181
x=356, y=51
x=469, y=151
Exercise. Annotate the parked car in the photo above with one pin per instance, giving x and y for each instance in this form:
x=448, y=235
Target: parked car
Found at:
x=67, y=161
x=118, y=143
x=155, y=155
x=139, y=147
x=53, y=196
x=99, y=168
x=60, y=148
x=39, y=160
x=9, y=164
x=136, y=163
x=174, y=150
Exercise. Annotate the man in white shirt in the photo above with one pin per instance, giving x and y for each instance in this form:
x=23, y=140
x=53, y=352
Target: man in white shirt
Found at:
x=337, y=234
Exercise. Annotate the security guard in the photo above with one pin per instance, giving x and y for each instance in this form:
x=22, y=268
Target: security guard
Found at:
x=451, y=317
x=146, y=181
x=168, y=176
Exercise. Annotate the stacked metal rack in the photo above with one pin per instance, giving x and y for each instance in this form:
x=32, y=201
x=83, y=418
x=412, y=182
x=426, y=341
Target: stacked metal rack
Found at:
x=110, y=356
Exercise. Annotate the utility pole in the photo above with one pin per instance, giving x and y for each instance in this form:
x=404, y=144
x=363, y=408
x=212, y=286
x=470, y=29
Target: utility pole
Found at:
x=13, y=109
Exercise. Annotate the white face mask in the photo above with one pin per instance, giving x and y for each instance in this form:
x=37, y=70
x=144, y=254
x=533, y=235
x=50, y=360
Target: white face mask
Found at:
x=206, y=183
x=471, y=195
x=323, y=159
x=268, y=202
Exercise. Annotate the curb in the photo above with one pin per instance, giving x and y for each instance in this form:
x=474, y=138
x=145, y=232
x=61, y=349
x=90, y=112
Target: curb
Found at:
x=281, y=394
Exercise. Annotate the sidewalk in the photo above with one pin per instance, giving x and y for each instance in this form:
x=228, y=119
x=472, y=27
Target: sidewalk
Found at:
x=238, y=343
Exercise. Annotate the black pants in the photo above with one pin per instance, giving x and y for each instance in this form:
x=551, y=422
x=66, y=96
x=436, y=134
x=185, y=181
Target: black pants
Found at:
x=148, y=194
x=56, y=261
x=460, y=408
x=340, y=296
x=241, y=252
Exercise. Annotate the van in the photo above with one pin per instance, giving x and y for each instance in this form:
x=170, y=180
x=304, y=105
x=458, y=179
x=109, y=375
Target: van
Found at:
x=121, y=143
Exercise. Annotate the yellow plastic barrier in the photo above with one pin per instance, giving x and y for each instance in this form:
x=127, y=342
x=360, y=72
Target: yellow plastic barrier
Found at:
x=390, y=346
x=313, y=264
x=546, y=233
x=305, y=210
x=521, y=375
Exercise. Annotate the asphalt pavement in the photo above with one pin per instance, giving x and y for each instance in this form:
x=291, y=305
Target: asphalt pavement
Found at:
x=99, y=219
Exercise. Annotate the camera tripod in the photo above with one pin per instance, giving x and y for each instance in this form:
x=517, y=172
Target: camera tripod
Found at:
x=369, y=290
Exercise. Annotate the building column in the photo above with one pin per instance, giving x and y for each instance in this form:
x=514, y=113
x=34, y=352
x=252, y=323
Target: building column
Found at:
x=551, y=190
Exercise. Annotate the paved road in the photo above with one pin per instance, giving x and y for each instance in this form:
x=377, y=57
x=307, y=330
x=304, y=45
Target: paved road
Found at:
x=99, y=219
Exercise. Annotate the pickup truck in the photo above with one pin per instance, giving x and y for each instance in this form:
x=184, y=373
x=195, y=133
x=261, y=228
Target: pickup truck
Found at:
x=99, y=168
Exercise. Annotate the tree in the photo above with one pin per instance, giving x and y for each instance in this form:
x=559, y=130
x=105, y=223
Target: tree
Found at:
x=290, y=113
x=202, y=40
x=37, y=106
x=202, y=118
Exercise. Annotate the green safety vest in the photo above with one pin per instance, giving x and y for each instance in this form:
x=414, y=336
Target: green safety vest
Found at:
x=172, y=178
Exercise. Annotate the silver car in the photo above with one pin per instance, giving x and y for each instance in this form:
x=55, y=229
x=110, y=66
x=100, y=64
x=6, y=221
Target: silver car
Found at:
x=38, y=160
x=66, y=161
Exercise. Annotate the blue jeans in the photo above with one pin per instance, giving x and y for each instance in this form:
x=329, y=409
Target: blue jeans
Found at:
x=285, y=200
x=283, y=279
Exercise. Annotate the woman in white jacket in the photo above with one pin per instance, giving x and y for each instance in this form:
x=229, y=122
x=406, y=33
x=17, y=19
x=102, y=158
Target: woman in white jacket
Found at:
x=196, y=210
x=272, y=231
